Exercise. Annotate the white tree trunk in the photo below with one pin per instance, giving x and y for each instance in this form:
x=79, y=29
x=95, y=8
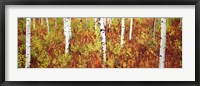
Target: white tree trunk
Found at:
x=122, y=32
x=162, y=43
x=33, y=23
x=131, y=23
x=41, y=21
x=110, y=22
x=28, y=42
x=103, y=37
x=67, y=33
x=104, y=22
x=47, y=21
x=154, y=27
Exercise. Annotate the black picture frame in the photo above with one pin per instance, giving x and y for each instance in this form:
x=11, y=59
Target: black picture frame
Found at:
x=98, y=2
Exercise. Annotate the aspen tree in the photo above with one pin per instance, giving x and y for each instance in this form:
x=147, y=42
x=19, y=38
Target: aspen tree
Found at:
x=47, y=22
x=67, y=33
x=33, y=23
x=110, y=22
x=41, y=21
x=162, y=43
x=28, y=42
x=131, y=23
x=103, y=37
x=154, y=27
x=122, y=32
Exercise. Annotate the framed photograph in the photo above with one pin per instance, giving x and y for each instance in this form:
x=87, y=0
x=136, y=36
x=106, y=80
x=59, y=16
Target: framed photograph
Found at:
x=111, y=42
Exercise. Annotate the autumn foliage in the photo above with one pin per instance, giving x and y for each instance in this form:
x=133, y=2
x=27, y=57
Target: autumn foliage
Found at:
x=142, y=51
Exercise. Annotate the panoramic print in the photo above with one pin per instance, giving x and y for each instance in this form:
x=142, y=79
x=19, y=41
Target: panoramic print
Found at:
x=106, y=42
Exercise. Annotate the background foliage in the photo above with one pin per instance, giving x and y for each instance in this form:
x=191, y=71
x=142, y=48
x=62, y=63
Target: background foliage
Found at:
x=48, y=50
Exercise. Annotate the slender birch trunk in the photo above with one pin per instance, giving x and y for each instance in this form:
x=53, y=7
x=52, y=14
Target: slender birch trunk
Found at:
x=122, y=32
x=103, y=37
x=131, y=24
x=47, y=21
x=110, y=22
x=41, y=21
x=105, y=23
x=33, y=23
x=162, y=43
x=154, y=27
x=28, y=42
x=67, y=33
